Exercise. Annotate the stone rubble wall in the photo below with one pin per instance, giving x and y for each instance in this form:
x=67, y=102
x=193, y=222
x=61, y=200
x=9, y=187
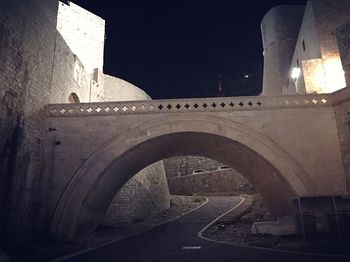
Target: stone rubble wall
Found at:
x=186, y=165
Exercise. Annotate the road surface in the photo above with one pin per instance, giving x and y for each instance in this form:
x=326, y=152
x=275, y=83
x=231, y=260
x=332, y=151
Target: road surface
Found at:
x=177, y=241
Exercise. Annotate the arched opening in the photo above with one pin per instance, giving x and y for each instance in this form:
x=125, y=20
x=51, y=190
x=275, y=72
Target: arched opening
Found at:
x=273, y=173
x=73, y=98
x=171, y=187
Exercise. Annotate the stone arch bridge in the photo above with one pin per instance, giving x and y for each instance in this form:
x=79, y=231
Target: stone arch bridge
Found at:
x=285, y=146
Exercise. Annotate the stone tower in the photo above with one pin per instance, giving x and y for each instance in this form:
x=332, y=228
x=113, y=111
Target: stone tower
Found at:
x=280, y=29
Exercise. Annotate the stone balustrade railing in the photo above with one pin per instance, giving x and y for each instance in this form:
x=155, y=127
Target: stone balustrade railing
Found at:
x=190, y=105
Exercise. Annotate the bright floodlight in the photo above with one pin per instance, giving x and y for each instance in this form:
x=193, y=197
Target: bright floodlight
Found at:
x=295, y=73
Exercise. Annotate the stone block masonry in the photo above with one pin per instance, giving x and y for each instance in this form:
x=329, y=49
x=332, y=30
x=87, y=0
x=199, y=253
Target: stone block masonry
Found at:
x=64, y=81
x=144, y=195
x=84, y=32
x=27, y=40
x=342, y=115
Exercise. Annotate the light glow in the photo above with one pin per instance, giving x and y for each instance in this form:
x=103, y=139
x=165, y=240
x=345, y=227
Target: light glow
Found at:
x=295, y=73
x=323, y=75
x=334, y=75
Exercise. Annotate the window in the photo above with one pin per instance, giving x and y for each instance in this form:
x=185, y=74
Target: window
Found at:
x=73, y=98
x=303, y=45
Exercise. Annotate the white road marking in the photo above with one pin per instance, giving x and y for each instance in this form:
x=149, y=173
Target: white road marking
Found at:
x=191, y=247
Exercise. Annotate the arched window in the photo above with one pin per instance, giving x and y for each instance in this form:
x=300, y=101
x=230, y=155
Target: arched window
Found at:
x=73, y=98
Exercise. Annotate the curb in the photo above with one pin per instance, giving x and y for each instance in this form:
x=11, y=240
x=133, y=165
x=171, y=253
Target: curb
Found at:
x=200, y=235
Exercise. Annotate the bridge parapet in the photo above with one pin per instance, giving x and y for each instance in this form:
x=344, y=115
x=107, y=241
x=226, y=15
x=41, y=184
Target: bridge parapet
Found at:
x=217, y=104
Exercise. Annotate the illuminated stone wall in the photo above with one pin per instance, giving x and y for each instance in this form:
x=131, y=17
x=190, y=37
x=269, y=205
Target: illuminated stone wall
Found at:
x=68, y=75
x=309, y=37
x=279, y=29
x=79, y=70
x=84, y=33
x=27, y=42
x=116, y=89
x=317, y=40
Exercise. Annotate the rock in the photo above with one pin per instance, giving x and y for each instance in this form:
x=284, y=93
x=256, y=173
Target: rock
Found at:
x=250, y=217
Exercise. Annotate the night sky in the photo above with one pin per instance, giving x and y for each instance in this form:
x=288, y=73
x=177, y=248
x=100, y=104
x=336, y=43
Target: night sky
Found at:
x=177, y=49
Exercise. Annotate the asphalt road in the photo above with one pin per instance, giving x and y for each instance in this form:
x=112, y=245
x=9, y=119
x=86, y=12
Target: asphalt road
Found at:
x=177, y=241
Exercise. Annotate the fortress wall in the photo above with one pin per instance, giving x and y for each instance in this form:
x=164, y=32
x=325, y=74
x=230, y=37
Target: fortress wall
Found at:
x=280, y=28
x=343, y=124
x=116, y=89
x=84, y=33
x=308, y=35
x=27, y=40
x=329, y=15
x=317, y=50
x=185, y=165
x=144, y=195
x=68, y=75
x=229, y=181
x=343, y=41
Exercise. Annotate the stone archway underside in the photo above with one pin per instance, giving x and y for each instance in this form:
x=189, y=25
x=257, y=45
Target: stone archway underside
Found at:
x=90, y=192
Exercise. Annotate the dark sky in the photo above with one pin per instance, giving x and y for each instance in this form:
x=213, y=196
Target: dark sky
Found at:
x=176, y=49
